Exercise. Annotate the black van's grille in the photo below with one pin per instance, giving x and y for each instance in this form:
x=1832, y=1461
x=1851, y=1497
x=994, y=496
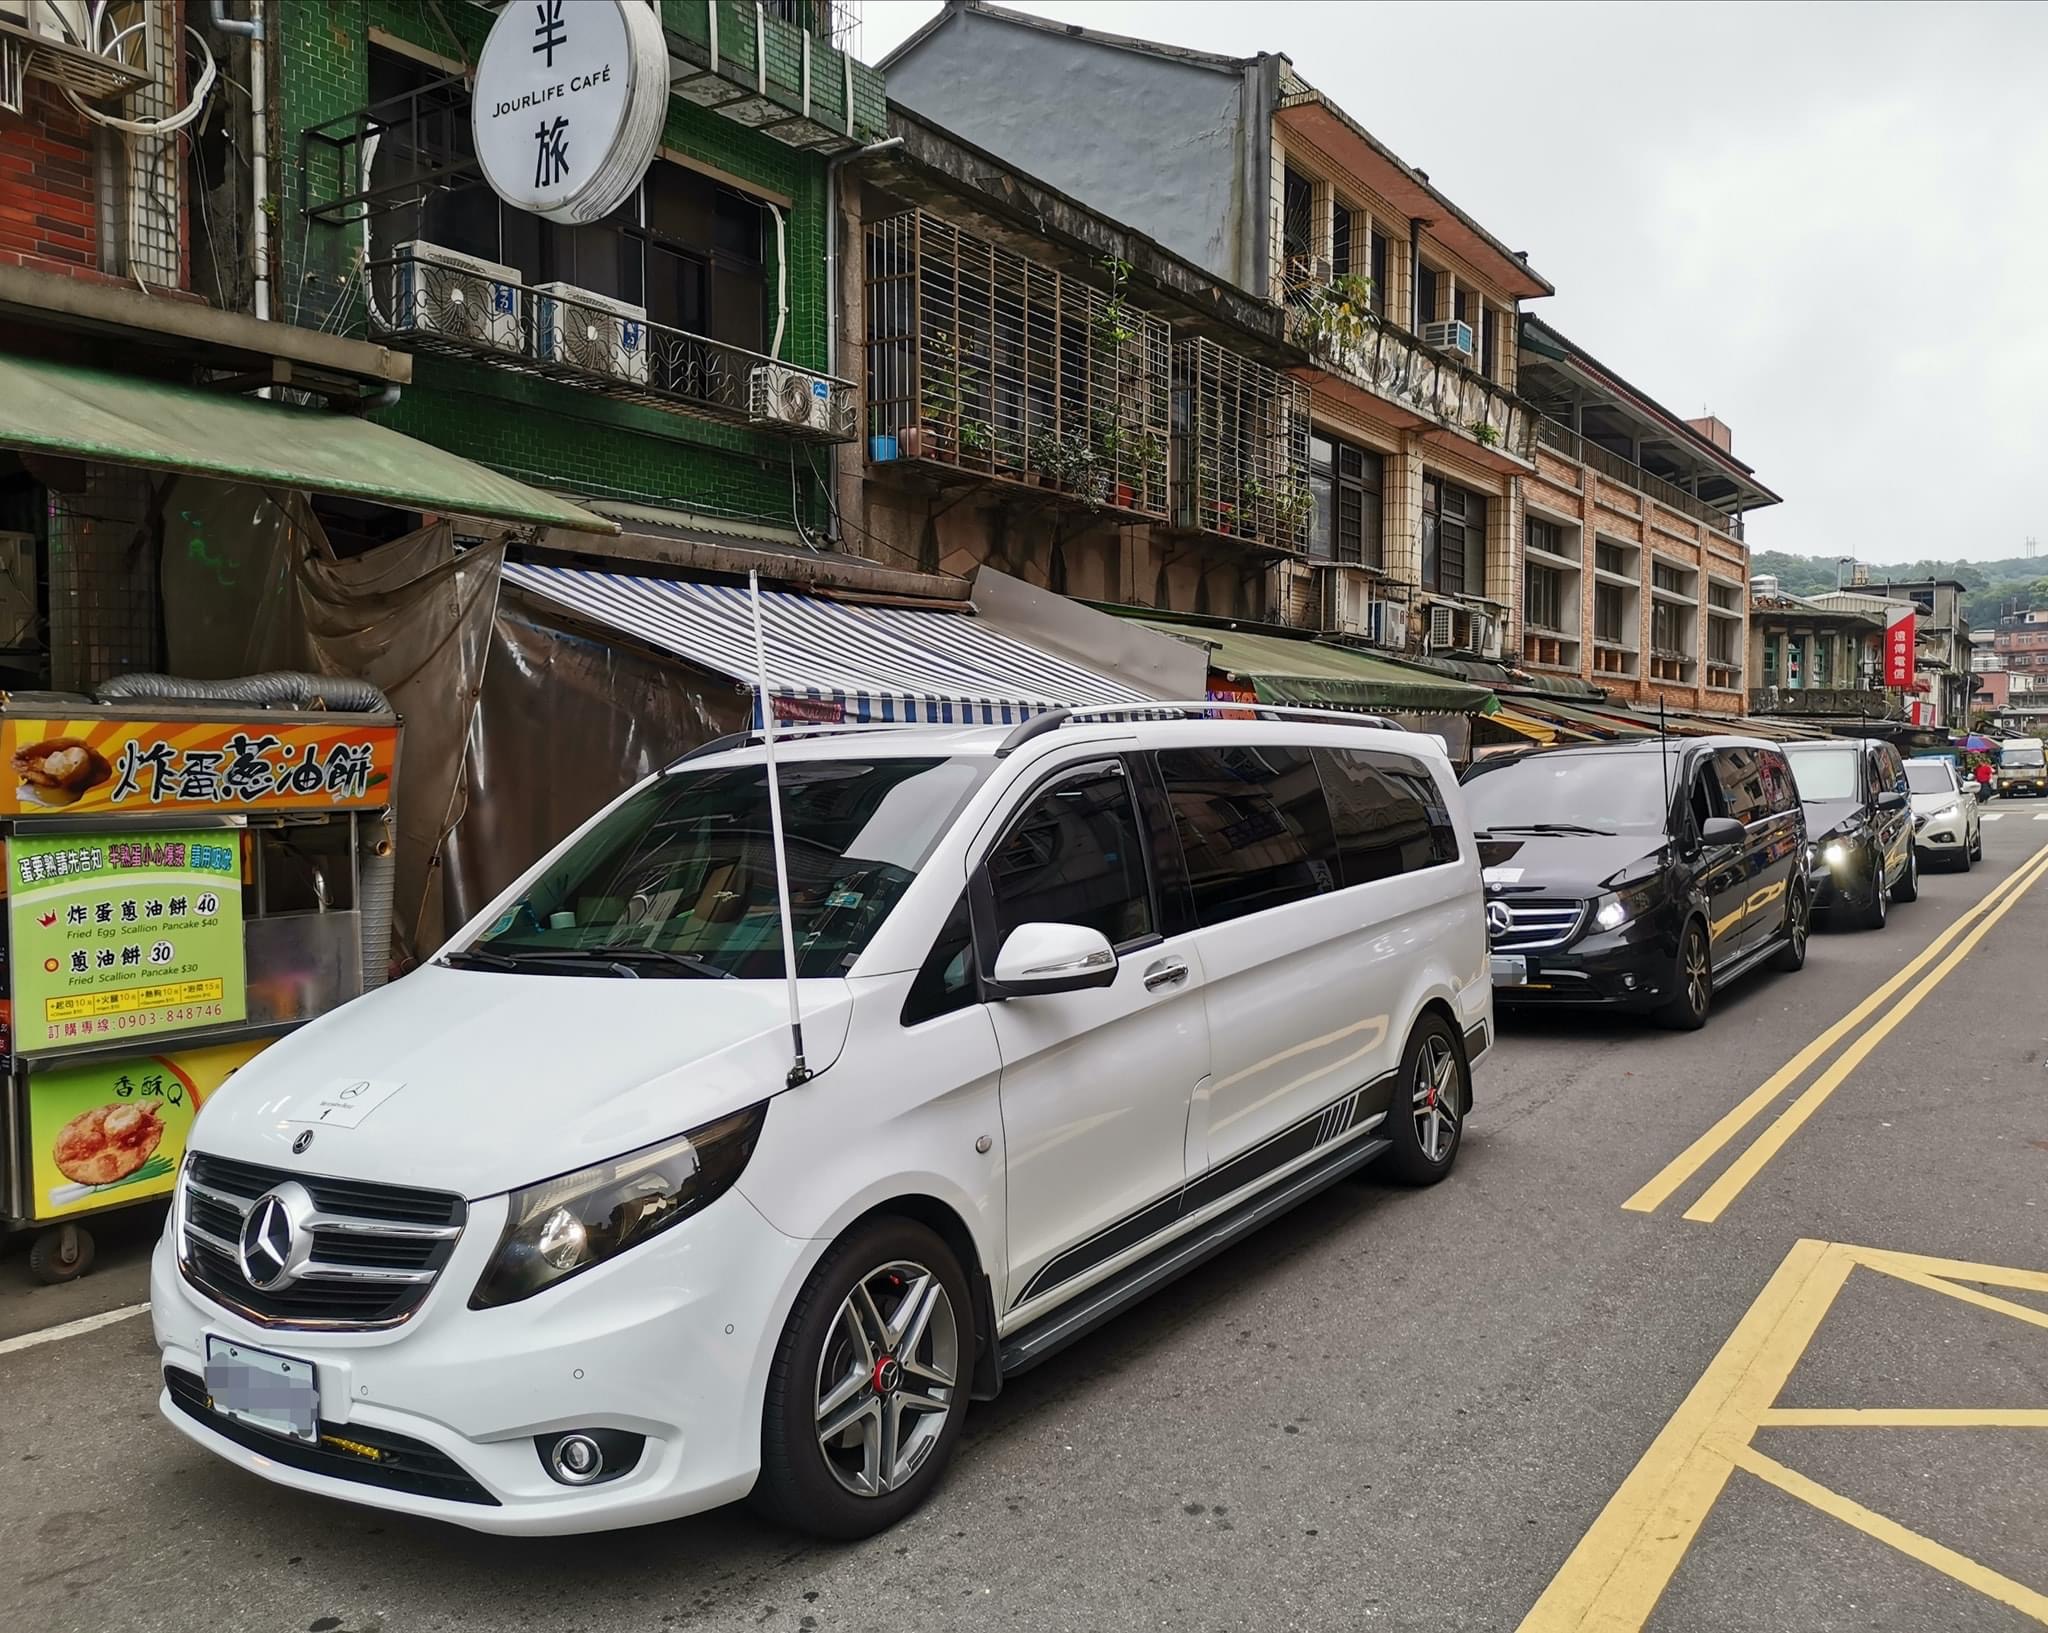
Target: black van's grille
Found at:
x=374, y=1457
x=1533, y=926
x=376, y=1250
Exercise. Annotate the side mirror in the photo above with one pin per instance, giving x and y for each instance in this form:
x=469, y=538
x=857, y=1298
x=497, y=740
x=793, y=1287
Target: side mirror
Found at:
x=1891, y=800
x=1039, y=959
x=1722, y=831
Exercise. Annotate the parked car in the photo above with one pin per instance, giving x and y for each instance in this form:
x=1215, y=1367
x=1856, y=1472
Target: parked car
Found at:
x=1947, y=825
x=1856, y=803
x=552, y=1236
x=1639, y=876
x=2021, y=767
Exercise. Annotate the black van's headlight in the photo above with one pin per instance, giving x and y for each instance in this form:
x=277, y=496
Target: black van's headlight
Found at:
x=566, y=1224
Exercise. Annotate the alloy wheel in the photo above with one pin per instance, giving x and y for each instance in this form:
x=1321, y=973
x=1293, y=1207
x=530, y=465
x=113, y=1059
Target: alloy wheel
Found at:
x=886, y=1378
x=1880, y=894
x=1696, y=979
x=1802, y=920
x=1435, y=1097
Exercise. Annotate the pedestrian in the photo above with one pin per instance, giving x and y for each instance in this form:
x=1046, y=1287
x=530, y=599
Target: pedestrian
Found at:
x=1982, y=773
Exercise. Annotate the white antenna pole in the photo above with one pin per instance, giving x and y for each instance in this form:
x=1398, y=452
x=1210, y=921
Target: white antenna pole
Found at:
x=798, y=1071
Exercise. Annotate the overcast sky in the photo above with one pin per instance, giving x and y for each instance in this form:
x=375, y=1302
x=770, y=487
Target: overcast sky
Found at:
x=1827, y=224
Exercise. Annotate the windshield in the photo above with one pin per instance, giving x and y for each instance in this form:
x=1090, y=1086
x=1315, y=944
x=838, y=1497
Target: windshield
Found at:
x=680, y=878
x=1589, y=793
x=1929, y=777
x=2021, y=756
x=1826, y=773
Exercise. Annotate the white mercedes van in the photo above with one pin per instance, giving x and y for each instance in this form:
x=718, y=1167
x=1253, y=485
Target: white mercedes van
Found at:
x=550, y=1236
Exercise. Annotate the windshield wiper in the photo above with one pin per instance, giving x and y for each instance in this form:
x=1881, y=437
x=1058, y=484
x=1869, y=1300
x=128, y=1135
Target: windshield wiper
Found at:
x=513, y=958
x=662, y=955
x=467, y=957
x=1549, y=828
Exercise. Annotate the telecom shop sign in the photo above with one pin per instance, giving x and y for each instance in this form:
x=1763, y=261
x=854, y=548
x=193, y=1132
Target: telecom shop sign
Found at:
x=568, y=105
x=122, y=936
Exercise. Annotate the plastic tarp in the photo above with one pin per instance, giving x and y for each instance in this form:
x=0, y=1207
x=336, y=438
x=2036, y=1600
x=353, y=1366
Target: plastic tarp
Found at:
x=1315, y=674
x=125, y=419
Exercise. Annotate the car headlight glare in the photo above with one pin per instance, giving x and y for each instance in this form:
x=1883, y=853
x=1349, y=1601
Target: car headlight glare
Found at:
x=562, y=1226
x=1834, y=853
x=1611, y=914
x=1617, y=907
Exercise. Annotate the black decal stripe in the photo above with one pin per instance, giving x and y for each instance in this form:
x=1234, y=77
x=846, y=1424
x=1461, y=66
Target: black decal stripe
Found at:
x=1314, y=1131
x=1475, y=1042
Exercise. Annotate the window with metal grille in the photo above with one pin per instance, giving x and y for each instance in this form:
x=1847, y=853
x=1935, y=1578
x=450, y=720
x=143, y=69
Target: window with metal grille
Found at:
x=1340, y=240
x=1453, y=537
x=1297, y=229
x=1489, y=343
x=1346, y=483
x=1542, y=597
x=1427, y=284
x=1379, y=272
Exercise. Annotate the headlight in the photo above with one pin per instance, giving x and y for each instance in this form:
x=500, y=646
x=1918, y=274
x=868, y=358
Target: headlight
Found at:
x=1947, y=813
x=1616, y=908
x=1835, y=853
x=565, y=1225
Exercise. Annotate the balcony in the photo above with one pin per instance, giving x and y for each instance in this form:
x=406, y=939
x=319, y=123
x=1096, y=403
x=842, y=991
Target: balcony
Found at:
x=988, y=364
x=1582, y=451
x=1836, y=702
x=783, y=67
x=600, y=346
x=1240, y=449
x=1426, y=386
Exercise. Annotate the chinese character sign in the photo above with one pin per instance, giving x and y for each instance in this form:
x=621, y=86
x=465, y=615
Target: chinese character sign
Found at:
x=1898, y=652
x=105, y=1131
x=568, y=105
x=131, y=935
x=123, y=765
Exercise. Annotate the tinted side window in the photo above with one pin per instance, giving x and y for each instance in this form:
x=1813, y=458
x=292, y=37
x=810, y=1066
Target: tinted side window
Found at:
x=1387, y=814
x=1742, y=787
x=1894, y=769
x=1074, y=857
x=1253, y=826
x=945, y=981
x=1781, y=792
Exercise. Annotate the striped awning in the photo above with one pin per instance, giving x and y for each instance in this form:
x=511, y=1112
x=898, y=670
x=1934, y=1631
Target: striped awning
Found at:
x=850, y=661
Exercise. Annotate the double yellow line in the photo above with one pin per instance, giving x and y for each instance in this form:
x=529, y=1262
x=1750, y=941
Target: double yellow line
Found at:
x=1714, y=1201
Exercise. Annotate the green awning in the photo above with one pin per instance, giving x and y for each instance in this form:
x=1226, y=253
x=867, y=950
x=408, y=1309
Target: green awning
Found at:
x=1316, y=674
x=124, y=419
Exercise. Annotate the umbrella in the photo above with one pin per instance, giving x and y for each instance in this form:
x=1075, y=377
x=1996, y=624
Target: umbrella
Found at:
x=1975, y=742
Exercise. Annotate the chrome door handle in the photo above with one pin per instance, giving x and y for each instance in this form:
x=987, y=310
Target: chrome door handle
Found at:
x=1168, y=972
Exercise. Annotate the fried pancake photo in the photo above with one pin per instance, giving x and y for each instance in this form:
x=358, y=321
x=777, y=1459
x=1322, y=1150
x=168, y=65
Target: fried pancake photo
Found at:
x=107, y=1143
x=58, y=770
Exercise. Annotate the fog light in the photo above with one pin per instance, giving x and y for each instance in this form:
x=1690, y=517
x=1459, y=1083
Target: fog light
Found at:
x=583, y=1457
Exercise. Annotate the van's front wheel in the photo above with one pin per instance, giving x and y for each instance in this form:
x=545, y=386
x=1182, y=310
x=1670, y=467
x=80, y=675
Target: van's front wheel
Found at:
x=869, y=1384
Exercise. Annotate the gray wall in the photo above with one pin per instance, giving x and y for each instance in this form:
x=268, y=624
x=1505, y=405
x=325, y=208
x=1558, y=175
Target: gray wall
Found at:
x=1157, y=144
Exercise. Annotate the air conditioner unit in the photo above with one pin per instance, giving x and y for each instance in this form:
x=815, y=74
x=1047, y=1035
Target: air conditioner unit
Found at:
x=90, y=48
x=1454, y=336
x=589, y=332
x=1291, y=594
x=68, y=22
x=780, y=395
x=1484, y=636
x=459, y=298
x=1443, y=628
x=1351, y=603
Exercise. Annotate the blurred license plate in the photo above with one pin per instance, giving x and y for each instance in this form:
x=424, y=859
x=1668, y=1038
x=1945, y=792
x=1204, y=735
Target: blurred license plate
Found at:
x=275, y=1393
x=1510, y=970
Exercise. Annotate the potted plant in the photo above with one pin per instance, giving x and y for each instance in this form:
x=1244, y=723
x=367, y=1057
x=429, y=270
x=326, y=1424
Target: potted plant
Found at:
x=976, y=437
x=1483, y=433
x=1338, y=317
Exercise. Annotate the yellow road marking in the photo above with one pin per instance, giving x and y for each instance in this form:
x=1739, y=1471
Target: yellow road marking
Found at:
x=1614, y=1577
x=1910, y=1543
x=1696, y=1156
x=1904, y=1417
x=1714, y=1201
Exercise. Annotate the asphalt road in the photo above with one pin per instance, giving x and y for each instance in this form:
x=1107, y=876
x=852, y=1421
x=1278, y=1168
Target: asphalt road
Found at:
x=1392, y=1409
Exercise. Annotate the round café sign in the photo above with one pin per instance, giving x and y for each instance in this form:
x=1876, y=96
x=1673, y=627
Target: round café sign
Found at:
x=569, y=103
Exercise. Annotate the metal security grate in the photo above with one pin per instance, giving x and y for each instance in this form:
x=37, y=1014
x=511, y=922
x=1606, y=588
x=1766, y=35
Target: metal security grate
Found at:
x=984, y=360
x=1240, y=448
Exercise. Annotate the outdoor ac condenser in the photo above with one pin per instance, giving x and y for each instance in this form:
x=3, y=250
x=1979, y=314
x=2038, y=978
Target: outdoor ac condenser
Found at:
x=590, y=333
x=456, y=298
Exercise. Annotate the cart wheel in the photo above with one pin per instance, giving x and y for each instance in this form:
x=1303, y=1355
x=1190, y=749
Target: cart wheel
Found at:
x=61, y=1253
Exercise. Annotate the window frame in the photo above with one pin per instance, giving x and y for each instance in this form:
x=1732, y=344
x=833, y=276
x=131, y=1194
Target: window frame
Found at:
x=1470, y=523
x=1334, y=862
x=981, y=890
x=1367, y=489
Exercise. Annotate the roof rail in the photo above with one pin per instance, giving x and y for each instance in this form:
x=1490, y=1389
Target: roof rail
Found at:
x=1194, y=709
x=788, y=730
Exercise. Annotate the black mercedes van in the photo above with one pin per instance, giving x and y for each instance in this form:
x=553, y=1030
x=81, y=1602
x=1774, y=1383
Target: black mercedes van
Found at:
x=1641, y=875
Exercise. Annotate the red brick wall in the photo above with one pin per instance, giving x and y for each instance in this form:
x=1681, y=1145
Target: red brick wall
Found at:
x=47, y=213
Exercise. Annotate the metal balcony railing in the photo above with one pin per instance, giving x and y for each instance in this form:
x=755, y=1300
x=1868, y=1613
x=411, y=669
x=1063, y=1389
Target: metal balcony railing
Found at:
x=1394, y=365
x=985, y=361
x=602, y=347
x=1581, y=450
x=787, y=68
x=1240, y=448
x=1843, y=702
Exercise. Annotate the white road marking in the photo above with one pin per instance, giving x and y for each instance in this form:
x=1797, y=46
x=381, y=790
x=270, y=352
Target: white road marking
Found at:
x=70, y=1329
x=2041, y=816
x=1994, y=816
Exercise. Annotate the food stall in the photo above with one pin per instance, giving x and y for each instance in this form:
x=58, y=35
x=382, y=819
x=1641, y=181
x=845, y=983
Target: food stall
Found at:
x=185, y=883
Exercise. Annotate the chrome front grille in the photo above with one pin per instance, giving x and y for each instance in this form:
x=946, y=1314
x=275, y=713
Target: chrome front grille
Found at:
x=375, y=1252
x=1533, y=926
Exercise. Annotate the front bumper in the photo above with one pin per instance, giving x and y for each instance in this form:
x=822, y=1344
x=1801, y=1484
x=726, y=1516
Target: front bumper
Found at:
x=1632, y=968
x=2036, y=786
x=1952, y=835
x=1843, y=884
x=671, y=1341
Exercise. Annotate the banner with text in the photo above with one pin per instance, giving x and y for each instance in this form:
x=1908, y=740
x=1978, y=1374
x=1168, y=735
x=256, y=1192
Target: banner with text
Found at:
x=1898, y=651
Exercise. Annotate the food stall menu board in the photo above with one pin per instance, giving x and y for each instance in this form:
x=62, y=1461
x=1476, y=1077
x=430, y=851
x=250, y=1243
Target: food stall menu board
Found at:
x=114, y=936
x=108, y=1131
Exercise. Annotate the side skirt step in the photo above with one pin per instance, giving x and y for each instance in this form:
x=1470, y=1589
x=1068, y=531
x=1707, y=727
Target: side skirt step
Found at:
x=1050, y=1334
